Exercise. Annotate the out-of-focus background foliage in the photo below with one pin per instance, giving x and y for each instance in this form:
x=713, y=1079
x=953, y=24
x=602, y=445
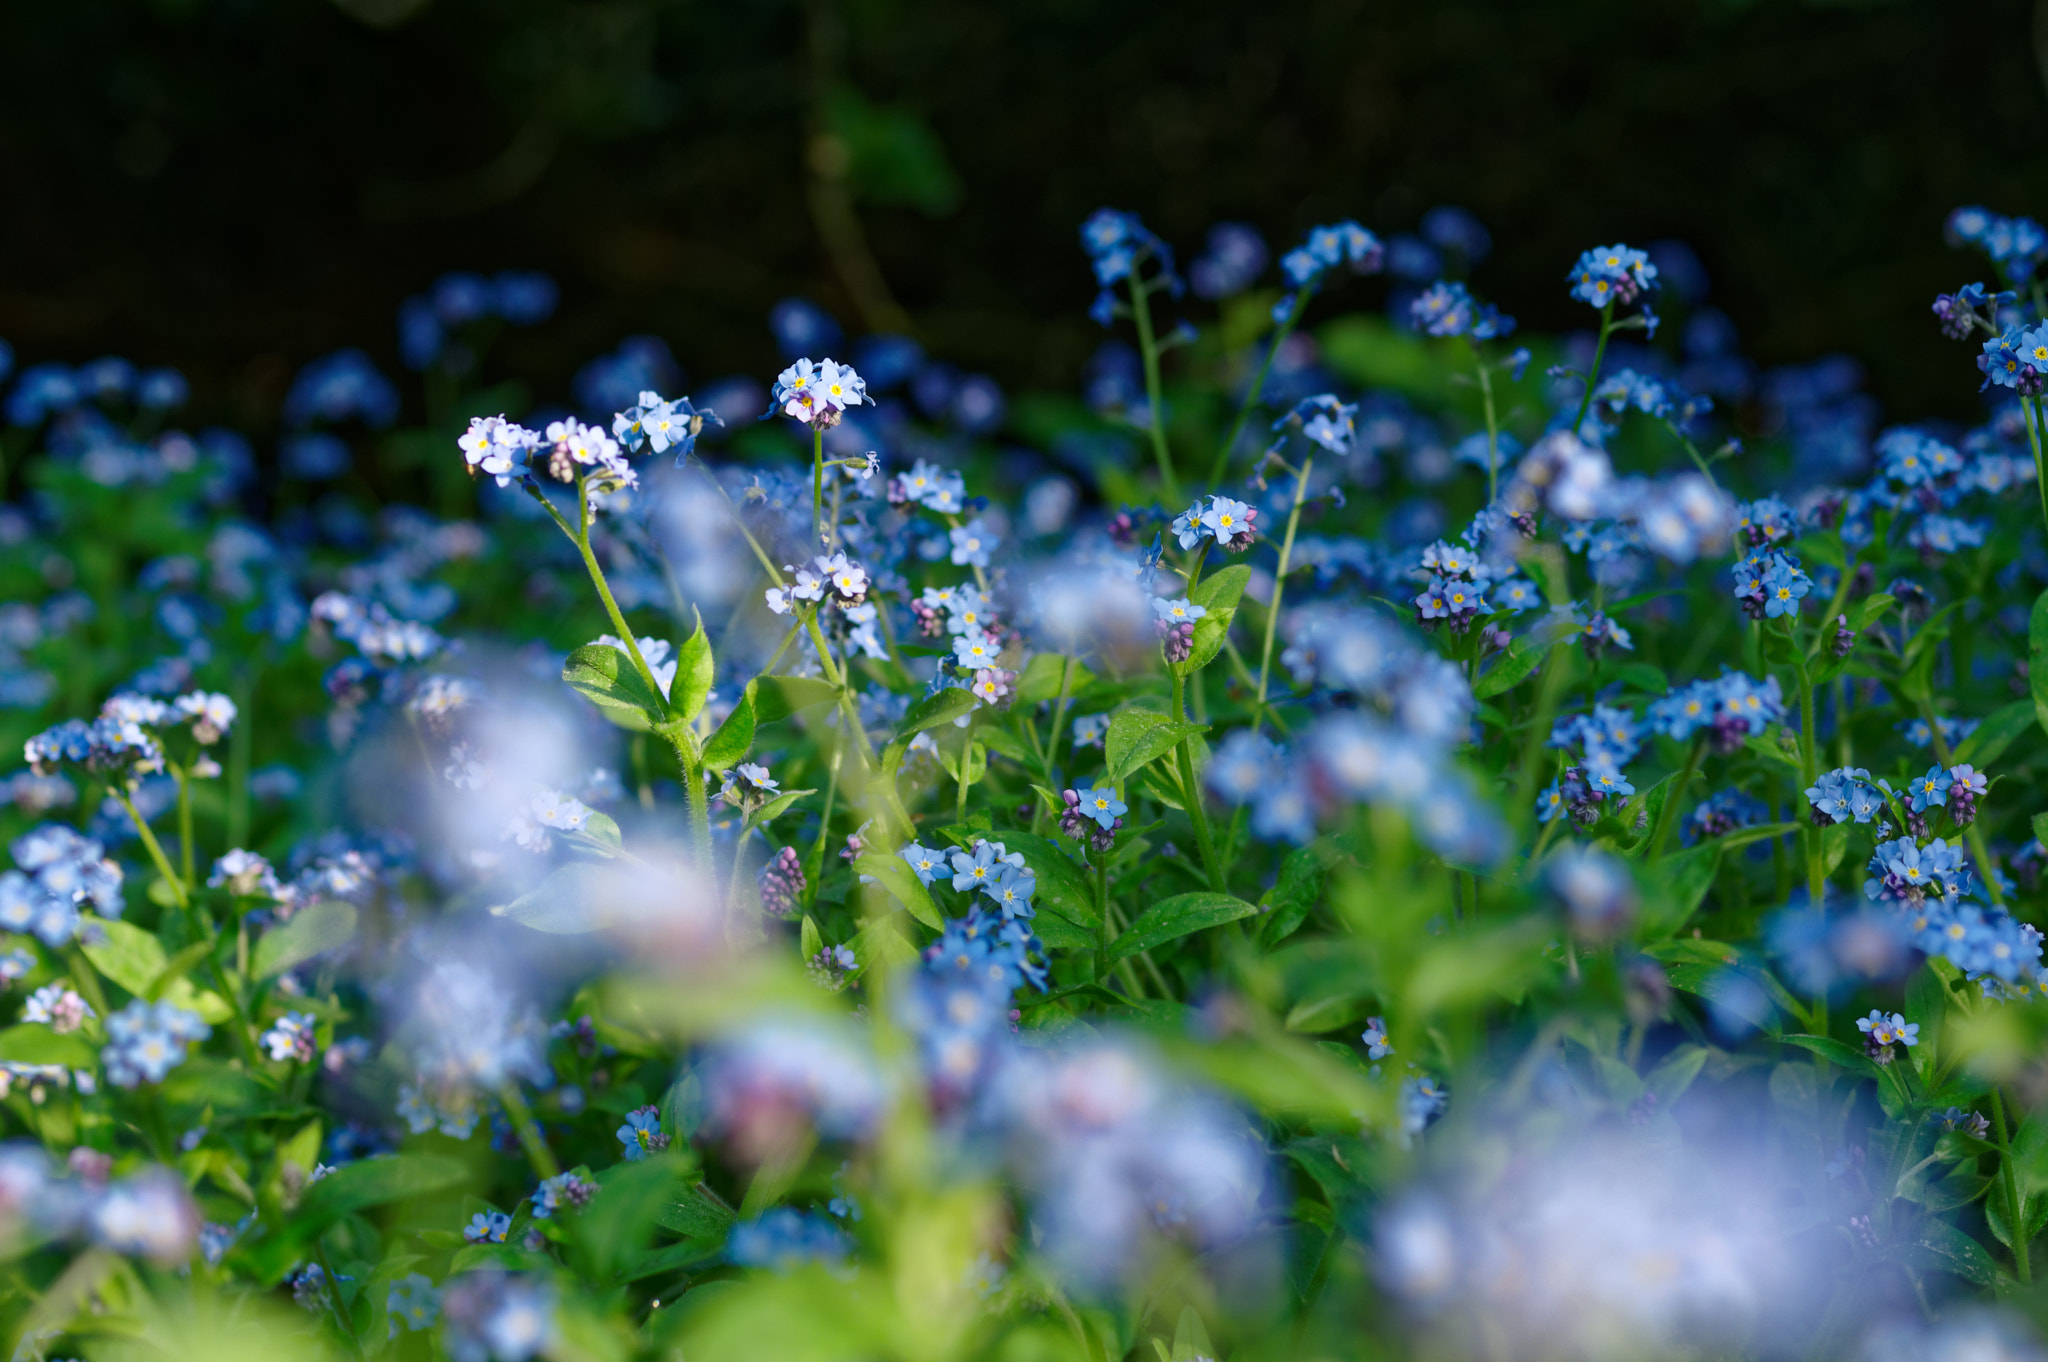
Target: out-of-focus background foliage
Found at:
x=235, y=186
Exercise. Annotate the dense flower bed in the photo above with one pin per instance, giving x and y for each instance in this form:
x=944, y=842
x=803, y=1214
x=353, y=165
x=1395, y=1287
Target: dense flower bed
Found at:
x=1367, y=835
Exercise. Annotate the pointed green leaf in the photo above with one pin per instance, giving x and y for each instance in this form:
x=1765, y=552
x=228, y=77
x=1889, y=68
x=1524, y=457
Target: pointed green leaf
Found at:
x=1063, y=886
x=809, y=940
x=941, y=708
x=1678, y=885
x=894, y=874
x=607, y=678
x=1943, y=1247
x=1179, y=916
x=1138, y=737
x=1841, y=1055
x=603, y=830
x=129, y=955
x=1669, y=1080
x=728, y=746
x=2000, y=729
x=694, y=672
x=568, y=902
x=1223, y=588
x=35, y=1043
x=881, y=942
x=778, y=697
x=1293, y=895
x=314, y=930
x=1040, y=679
x=776, y=807
x=1523, y=656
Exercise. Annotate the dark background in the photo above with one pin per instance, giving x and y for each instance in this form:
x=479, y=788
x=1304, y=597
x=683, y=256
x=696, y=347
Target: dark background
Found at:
x=235, y=186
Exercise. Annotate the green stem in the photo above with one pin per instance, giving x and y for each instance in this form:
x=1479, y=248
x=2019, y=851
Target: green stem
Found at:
x=834, y=676
x=580, y=537
x=1593, y=376
x=185, y=827
x=155, y=850
x=1148, y=347
x=1191, y=793
x=1667, y=815
x=86, y=979
x=2031, y=406
x=2014, y=1206
x=1102, y=911
x=241, y=749
x=245, y=1031
x=1251, y=397
x=1549, y=692
x=1492, y=429
x=966, y=760
x=537, y=1152
x=818, y=484
x=739, y=861
x=1809, y=771
x=816, y=866
x=1280, y=586
x=1974, y=834
x=334, y=1294
x=700, y=811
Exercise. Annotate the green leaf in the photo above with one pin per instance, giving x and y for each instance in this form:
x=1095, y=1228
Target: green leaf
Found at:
x=607, y=678
x=942, y=708
x=1293, y=895
x=1190, y=1339
x=1523, y=656
x=894, y=874
x=1835, y=1052
x=314, y=930
x=1943, y=1247
x=35, y=1043
x=694, y=674
x=603, y=829
x=809, y=940
x=881, y=943
x=1223, y=588
x=1210, y=631
x=2037, y=657
x=177, y=967
x=1138, y=737
x=1219, y=594
x=567, y=903
x=622, y=1216
x=697, y=1217
x=1678, y=884
x=2000, y=729
x=1761, y=832
x=1176, y=917
x=1669, y=1080
x=775, y=807
x=377, y=1182
x=1040, y=679
x=1332, y=1012
x=129, y=955
x=1058, y=932
x=1642, y=676
x=1927, y=1007
x=1063, y=886
x=728, y=746
x=778, y=697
